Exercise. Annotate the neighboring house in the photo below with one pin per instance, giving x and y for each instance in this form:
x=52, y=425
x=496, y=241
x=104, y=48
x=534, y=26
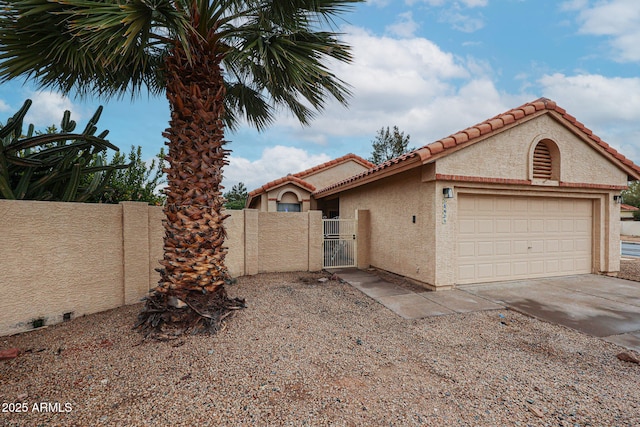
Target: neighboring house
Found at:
x=293, y=193
x=528, y=193
x=626, y=212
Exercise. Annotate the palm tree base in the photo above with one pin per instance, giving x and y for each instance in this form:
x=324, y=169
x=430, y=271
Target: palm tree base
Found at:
x=166, y=315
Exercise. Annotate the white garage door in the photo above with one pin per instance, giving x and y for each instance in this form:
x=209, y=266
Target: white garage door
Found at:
x=505, y=238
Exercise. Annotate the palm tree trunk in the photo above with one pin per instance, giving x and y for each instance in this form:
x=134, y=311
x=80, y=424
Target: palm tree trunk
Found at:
x=191, y=293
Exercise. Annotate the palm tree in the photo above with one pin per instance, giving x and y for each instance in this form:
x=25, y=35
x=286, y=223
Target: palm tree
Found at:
x=218, y=61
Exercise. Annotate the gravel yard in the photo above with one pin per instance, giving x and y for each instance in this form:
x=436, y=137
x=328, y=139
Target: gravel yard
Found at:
x=306, y=353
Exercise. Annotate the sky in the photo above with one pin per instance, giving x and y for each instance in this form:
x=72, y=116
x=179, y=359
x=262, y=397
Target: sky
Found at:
x=430, y=67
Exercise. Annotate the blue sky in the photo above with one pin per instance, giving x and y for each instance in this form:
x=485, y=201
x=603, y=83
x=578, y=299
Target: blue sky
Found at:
x=430, y=67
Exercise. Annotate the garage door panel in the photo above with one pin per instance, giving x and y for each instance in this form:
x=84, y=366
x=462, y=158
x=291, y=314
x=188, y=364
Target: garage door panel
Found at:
x=536, y=226
x=520, y=225
x=466, y=249
x=484, y=226
x=485, y=248
x=503, y=248
x=551, y=225
x=504, y=238
x=552, y=266
x=466, y=226
x=520, y=247
x=503, y=226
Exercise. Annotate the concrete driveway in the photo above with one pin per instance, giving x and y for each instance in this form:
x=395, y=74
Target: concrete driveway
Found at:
x=600, y=306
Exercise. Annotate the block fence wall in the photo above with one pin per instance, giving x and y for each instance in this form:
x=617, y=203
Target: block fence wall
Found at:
x=64, y=260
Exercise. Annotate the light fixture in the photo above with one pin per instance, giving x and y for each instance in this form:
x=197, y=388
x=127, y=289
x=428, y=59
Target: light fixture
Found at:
x=617, y=199
x=447, y=192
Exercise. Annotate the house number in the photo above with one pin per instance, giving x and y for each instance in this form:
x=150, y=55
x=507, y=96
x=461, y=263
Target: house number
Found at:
x=444, y=211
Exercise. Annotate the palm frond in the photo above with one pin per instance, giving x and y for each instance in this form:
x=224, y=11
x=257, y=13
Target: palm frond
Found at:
x=99, y=47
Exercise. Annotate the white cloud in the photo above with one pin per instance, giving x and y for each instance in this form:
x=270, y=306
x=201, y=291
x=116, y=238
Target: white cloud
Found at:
x=462, y=22
x=410, y=83
x=275, y=162
x=48, y=108
x=606, y=105
x=404, y=26
x=465, y=3
x=4, y=107
x=573, y=5
x=620, y=21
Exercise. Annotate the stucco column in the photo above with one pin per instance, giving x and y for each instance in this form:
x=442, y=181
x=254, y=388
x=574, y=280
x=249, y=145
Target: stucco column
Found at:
x=612, y=231
x=363, y=216
x=315, y=240
x=156, y=243
x=251, y=231
x=135, y=244
x=445, y=226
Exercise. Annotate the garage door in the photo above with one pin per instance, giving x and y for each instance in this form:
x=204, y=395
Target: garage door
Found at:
x=505, y=238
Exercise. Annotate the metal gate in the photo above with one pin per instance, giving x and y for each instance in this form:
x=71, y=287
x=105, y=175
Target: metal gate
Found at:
x=339, y=243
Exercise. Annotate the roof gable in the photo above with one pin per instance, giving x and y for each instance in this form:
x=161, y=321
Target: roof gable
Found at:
x=289, y=179
x=298, y=178
x=480, y=132
x=334, y=162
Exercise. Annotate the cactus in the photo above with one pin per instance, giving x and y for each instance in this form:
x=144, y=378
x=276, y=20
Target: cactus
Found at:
x=60, y=166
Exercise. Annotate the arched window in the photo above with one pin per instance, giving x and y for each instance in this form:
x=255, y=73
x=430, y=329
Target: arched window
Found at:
x=289, y=202
x=546, y=161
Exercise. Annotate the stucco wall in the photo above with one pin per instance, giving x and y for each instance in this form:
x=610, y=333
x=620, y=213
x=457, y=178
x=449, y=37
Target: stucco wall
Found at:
x=396, y=243
x=76, y=258
x=507, y=155
x=630, y=228
x=73, y=258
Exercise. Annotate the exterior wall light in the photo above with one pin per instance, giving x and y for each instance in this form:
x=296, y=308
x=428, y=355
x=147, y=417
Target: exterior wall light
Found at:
x=447, y=192
x=617, y=199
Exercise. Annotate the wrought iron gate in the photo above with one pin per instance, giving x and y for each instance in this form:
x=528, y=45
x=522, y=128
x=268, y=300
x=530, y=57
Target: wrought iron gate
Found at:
x=340, y=243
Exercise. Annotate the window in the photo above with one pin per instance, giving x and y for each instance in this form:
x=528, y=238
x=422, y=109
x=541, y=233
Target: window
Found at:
x=546, y=161
x=288, y=207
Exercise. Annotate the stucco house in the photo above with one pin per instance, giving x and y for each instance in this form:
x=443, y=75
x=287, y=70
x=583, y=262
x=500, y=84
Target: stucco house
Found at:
x=294, y=192
x=528, y=193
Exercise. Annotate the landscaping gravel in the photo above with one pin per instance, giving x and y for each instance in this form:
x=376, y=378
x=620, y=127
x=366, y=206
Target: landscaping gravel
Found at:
x=310, y=353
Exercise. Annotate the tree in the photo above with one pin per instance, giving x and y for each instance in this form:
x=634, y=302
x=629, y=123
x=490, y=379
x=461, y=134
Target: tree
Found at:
x=138, y=182
x=217, y=61
x=631, y=196
x=389, y=145
x=237, y=197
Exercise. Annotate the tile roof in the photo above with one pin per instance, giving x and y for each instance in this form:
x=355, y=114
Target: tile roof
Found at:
x=281, y=181
x=297, y=178
x=479, y=132
x=334, y=162
x=626, y=207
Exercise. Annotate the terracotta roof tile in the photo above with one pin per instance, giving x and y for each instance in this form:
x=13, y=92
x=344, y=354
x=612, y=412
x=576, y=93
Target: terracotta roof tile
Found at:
x=487, y=127
x=459, y=137
x=496, y=124
x=334, y=162
x=484, y=128
x=436, y=147
x=626, y=207
x=508, y=119
x=518, y=113
x=280, y=181
x=472, y=132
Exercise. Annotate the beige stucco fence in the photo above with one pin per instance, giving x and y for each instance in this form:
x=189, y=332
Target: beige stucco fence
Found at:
x=64, y=260
x=630, y=228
